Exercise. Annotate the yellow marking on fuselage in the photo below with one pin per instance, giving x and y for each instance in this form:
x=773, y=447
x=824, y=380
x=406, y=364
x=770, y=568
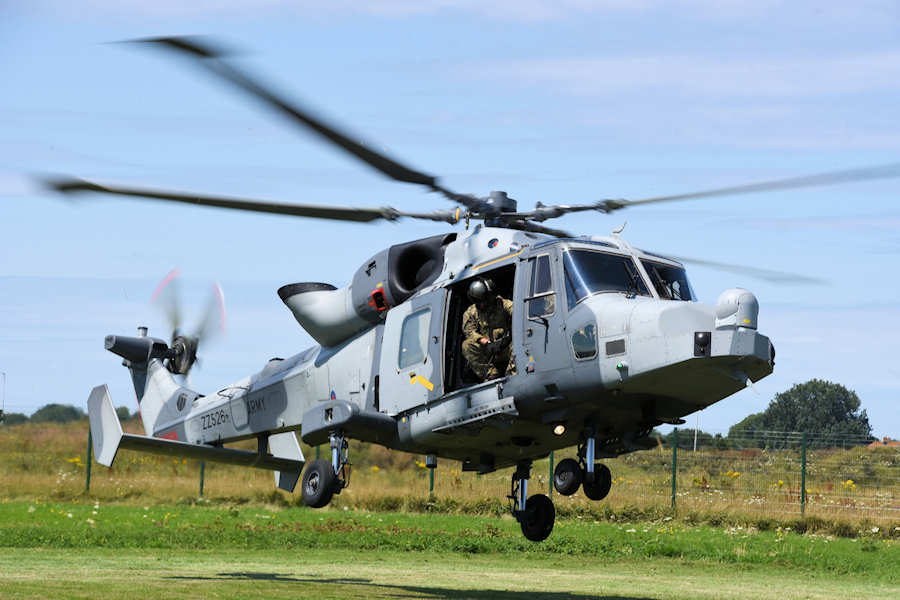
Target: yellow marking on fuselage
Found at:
x=414, y=379
x=496, y=260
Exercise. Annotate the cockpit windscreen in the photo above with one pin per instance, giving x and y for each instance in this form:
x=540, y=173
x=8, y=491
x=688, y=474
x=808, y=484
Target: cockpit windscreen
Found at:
x=589, y=272
x=671, y=283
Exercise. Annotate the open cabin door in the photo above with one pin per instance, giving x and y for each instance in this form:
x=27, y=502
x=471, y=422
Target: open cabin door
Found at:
x=410, y=373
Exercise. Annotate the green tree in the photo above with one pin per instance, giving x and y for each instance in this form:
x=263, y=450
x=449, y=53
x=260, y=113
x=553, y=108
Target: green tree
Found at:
x=57, y=413
x=748, y=427
x=122, y=413
x=686, y=439
x=828, y=411
x=14, y=419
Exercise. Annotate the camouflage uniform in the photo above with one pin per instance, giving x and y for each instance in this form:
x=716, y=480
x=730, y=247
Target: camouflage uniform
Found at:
x=493, y=323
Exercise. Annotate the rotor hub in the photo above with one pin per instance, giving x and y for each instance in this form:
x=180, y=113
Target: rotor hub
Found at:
x=182, y=354
x=499, y=202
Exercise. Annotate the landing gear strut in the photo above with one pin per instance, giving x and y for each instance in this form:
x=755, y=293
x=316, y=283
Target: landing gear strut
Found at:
x=536, y=514
x=322, y=478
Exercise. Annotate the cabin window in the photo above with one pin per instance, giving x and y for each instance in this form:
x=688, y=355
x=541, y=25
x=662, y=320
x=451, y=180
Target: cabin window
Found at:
x=584, y=342
x=541, y=299
x=414, y=338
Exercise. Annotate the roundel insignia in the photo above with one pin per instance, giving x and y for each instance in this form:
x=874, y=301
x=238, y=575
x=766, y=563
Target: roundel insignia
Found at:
x=333, y=395
x=493, y=243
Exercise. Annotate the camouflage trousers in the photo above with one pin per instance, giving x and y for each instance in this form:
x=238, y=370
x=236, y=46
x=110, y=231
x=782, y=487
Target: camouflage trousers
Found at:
x=488, y=363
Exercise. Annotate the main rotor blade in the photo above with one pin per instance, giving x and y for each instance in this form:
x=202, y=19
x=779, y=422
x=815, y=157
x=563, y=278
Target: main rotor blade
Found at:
x=782, y=277
x=67, y=185
x=213, y=59
x=890, y=171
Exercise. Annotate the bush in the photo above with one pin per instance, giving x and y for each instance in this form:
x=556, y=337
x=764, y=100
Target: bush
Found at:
x=57, y=413
x=14, y=419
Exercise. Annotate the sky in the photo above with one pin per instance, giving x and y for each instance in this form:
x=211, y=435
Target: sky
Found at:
x=557, y=102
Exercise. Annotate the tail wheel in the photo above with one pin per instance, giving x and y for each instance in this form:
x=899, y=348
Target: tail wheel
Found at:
x=567, y=476
x=319, y=483
x=537, y=520
x=598, y=489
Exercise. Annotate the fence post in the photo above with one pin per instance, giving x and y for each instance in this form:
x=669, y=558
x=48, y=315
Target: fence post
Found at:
x=551, y=474
x=202, y=475
x=430, y=481
x=803, y=476
x=674, y=463
x=87, y=477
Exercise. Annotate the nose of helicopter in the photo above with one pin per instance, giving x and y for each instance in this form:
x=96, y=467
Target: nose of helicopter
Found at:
x=688, y=355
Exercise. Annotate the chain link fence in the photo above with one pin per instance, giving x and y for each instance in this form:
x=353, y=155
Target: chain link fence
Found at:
x=765, y=472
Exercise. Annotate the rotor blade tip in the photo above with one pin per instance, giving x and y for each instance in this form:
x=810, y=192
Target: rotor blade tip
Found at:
x=174, y=273
x=197, y=45
x=64, y=184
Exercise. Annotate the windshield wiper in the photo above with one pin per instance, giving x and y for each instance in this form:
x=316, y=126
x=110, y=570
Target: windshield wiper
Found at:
x=632, y=277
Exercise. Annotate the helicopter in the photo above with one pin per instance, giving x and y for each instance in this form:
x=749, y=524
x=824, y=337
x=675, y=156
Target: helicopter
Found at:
x=607, y=341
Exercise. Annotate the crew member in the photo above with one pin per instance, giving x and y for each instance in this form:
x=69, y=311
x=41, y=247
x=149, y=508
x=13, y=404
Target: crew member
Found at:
x=486, y=330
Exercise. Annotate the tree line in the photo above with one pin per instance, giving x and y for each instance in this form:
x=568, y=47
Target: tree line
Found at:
x=57, y=413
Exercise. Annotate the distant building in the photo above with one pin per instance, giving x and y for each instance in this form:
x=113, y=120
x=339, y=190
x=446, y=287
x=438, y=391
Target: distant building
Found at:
x=885, y=442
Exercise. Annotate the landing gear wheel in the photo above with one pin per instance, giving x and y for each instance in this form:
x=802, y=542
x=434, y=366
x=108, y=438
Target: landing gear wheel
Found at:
x=319, y=483
x=567, y=476
x=598, y=489
x=537, y=518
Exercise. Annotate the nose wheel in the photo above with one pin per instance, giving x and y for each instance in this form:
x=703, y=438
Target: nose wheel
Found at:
x=598, y=488
x=567, y=476
x=594, y=477
x=536, y=515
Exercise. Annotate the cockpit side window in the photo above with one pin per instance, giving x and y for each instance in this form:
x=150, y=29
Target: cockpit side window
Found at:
x=671, y=283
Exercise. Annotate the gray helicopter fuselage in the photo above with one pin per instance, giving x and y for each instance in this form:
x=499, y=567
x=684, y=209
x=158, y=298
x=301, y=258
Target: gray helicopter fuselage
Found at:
x=613, y=361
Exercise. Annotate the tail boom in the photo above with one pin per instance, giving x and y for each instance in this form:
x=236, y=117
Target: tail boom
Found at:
x=286, y=457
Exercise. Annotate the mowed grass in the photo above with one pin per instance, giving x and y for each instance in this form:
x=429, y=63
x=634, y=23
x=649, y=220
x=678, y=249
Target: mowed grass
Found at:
x=81, y=550
x=389, y=575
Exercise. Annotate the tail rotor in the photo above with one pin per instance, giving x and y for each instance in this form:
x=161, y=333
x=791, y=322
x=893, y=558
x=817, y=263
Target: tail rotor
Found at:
x=182, y=353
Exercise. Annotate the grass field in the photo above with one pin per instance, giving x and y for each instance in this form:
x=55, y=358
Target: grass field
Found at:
x=69, y=550
x=142, y=531
x=327, y=574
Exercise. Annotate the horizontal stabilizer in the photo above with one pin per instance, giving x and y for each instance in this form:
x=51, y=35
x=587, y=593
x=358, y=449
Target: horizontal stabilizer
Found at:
x=108, y=438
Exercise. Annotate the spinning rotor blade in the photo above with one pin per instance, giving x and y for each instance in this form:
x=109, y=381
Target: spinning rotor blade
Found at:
x=182, y=354
x=364, y=215
x=822, y=179
x=167, y=297
x=214, y=312
x=213, y=59
x=755, y=272
x=542, y=213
